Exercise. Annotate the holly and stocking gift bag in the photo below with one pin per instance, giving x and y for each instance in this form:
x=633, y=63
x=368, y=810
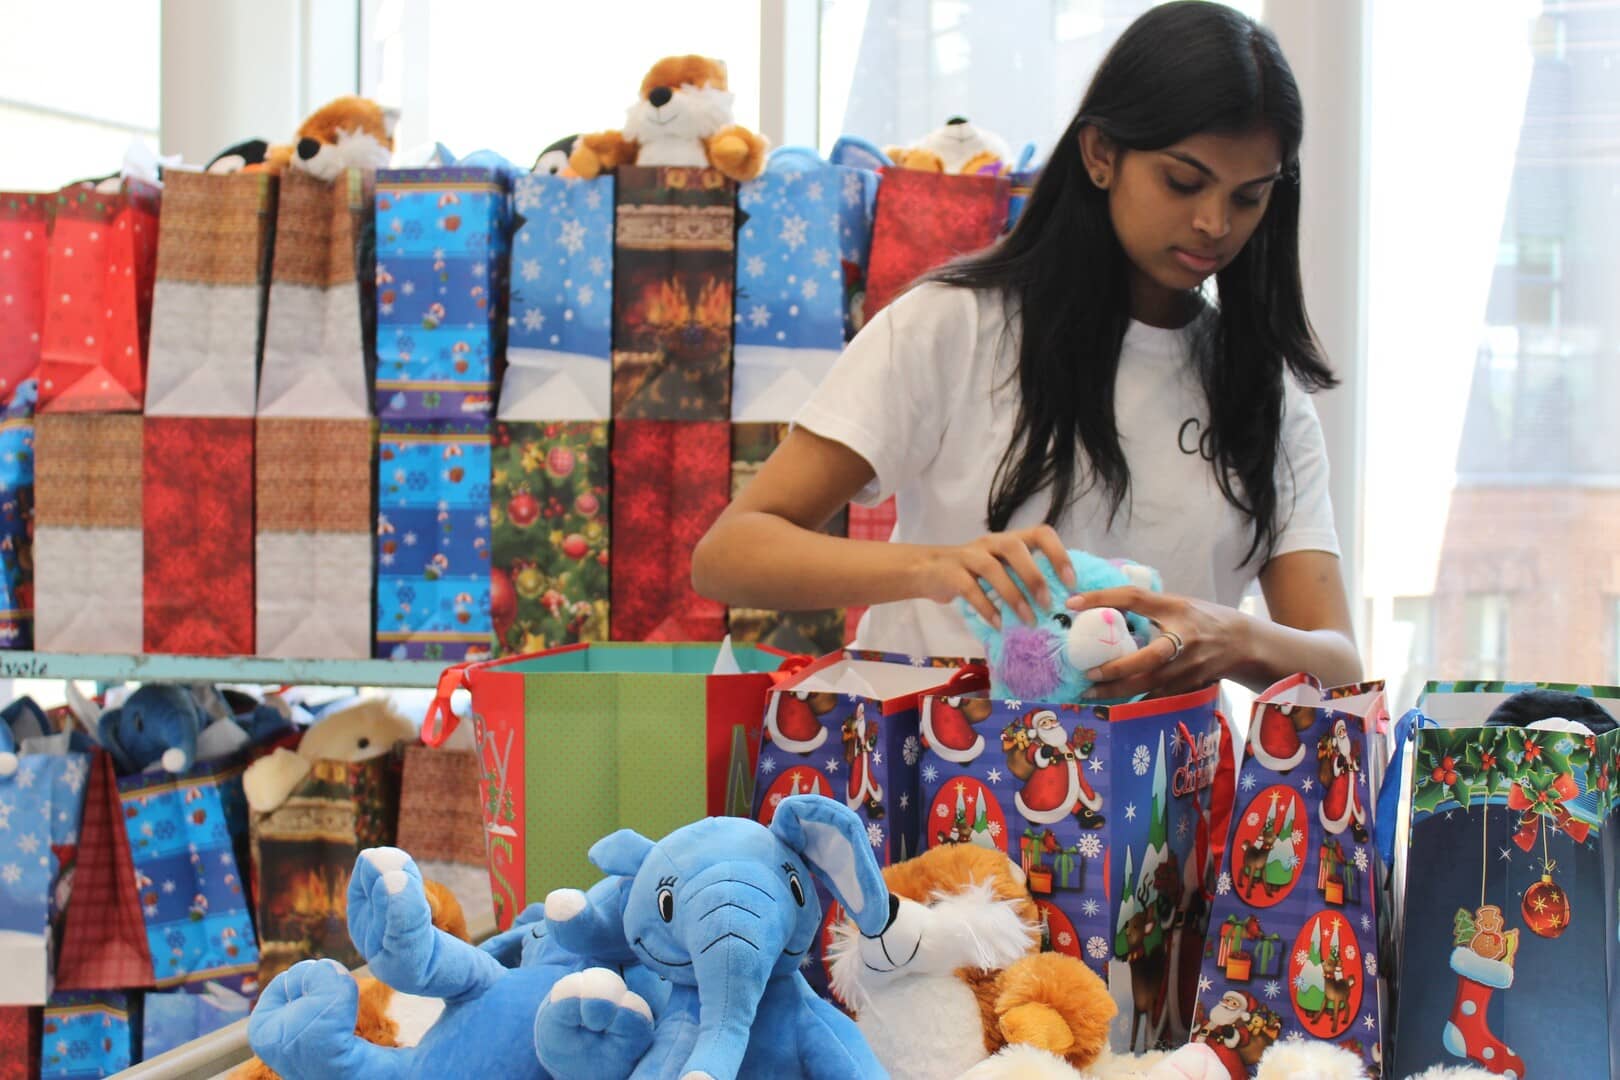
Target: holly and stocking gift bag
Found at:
x=314, y=437
x=1294, y=942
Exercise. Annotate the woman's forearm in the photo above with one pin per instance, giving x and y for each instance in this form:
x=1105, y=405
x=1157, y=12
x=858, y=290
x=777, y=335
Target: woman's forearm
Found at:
x=1275, y=651
x=759, y=560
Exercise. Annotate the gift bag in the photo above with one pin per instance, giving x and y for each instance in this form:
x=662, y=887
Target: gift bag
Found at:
x=924, y=220
x=40, y=807
x=674, y=267
x=549, y=533
x=17, y=520
x=173, y=1018
x=304, y=851
x=846, y=727
x=1109, y=810
x=20, y=1033
x=1509, y=953
x=579, y=741
x=99, y=286
x=104, y=942
x=187, y=834
x=671, y=481
x=816, y=633
x=441, y=247
x=25, y=237
x=440, y=823
x=1293, y=947
x=433, y=520
x=87, y=1035
x=790, y=277
x=88, y=561
x=559, y=347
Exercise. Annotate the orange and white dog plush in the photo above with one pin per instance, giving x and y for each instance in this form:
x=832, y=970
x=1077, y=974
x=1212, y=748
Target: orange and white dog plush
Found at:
x=346, y=133
x=683, y=117
x=958, y=974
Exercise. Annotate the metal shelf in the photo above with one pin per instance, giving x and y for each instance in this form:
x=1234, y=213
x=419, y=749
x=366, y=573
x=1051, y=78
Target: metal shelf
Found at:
x=220, y=669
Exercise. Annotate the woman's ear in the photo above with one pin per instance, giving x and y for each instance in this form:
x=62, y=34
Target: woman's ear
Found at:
x=1101, y=155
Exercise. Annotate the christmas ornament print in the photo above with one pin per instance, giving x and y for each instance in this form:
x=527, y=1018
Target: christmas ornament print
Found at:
x=1546, y=908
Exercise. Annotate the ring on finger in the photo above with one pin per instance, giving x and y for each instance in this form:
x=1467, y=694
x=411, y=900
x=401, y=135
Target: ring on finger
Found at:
x=1175, y=642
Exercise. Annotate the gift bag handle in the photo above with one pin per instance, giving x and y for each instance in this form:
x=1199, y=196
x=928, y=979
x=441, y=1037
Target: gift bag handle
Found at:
x=1388, y=805
x=968, y=679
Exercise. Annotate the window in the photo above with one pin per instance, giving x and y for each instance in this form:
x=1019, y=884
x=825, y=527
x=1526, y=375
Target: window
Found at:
x=75, y=91
x=894, y=70
x=514, y=78
x=1493, y=335
x=1412, y=645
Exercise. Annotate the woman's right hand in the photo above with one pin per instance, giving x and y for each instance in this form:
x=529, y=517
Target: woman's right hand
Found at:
x=947, y=573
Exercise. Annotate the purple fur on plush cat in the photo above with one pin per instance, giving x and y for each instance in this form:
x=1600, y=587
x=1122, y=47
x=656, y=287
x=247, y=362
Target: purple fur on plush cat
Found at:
x=1029, y=661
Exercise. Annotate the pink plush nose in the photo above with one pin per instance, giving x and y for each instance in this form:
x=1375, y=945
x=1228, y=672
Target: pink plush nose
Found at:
x=1108, y=617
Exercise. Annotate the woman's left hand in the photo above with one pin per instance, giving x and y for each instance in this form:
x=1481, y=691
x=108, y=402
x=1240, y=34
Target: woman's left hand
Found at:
x=1213, y=644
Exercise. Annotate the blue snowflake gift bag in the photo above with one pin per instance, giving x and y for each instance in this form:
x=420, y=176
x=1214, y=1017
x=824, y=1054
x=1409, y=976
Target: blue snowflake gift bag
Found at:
x=560, y=313
x=41, y=803
x=441, y=263
x=86, y=1035
x=1108, y=809
x=1293, y=946
x=790, y=286
x=433, y=540
x=846, y=727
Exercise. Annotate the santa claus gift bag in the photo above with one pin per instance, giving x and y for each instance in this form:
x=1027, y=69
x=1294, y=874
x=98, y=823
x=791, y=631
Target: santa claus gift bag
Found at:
x=846, y=727
x=578, y=741
x=1510, y=948
x=1294, y=929
x=1109, y=809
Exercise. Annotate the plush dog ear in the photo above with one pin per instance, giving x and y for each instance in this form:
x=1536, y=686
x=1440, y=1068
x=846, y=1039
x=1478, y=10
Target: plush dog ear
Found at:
x=832, y=840
x=621, y=853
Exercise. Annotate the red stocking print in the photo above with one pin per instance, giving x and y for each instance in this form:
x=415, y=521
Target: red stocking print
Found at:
x=1467, y=1035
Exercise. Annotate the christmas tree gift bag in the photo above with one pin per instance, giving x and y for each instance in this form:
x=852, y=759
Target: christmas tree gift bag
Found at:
x=433, y=540
x=578, y=741
x=814, y=632
x=672, y=479
x=88, y=560
x=87, y=1035
x=846, y=727
x=441, y=265
x=99, y=289
x=197, y=463
x=304, y=851
x=674, y=268
x=1510, y=882
x=559, y=343
x=314, y=438
x=1110, y=811
x=24, y=238
x=1294, y=931
x=549, y=532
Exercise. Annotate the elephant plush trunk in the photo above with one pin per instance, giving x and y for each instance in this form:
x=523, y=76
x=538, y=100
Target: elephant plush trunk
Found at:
x=735, y=945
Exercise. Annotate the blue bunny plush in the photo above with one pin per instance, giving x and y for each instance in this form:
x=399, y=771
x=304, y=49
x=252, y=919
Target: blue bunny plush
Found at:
x=158, y=724
x=1048, y=661
x=726, y=910
x=304, y=1024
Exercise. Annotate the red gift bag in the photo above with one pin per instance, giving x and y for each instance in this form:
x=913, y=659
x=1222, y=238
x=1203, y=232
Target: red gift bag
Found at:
x=671, y=480
x=99, y=276
x=24, y=241
x=19, y=1033
x=197, y=518
x=104, y=944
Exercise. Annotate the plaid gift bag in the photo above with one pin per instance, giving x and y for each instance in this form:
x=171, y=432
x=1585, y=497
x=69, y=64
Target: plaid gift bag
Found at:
x=98, y=312
x=88, y=561
x=104, y=943
x=24, y=236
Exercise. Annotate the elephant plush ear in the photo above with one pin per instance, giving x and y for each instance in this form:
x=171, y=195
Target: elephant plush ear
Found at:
x=108, y=725
x=832, y=839
x=621, y=853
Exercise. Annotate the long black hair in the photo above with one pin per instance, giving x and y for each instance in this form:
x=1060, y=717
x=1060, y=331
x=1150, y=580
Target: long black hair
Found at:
x=1181, y=69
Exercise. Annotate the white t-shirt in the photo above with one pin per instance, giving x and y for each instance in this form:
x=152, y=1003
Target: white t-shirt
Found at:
x=923, y=394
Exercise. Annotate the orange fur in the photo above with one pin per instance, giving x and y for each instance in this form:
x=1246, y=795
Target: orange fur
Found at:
x=347, y=113
x=948, y=869
x=372, y=1022
x=699, y=71
x=1070, y=989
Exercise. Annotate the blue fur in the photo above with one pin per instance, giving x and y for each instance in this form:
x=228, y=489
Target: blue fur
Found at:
x=732, y=945
x=1092, y=574
x=153, y=719
x=303, y=1026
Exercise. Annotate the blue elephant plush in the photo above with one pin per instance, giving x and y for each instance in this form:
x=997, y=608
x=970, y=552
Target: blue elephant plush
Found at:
x=726, y=910
x=304, y=1024
x=157, y=724
x=1048, y=661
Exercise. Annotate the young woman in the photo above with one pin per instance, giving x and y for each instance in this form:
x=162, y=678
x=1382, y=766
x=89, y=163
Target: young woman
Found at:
x=1080, y=385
